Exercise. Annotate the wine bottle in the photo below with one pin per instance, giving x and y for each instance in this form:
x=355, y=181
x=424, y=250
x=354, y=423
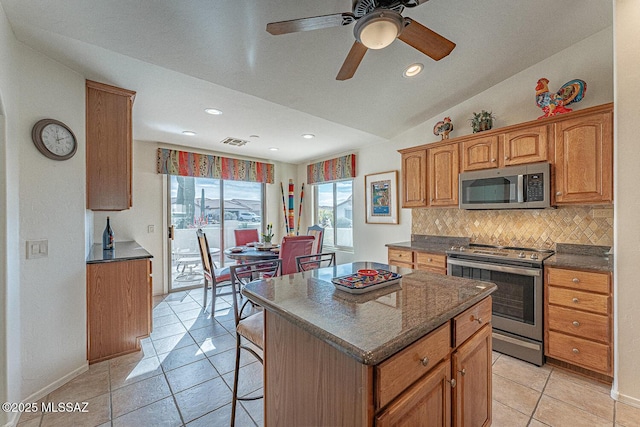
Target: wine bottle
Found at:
x=107, y=237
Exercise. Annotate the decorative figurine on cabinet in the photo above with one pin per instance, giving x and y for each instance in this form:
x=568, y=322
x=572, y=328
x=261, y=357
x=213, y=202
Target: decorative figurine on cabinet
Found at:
x=555, y=103
x=481, y=121
x=443, y=128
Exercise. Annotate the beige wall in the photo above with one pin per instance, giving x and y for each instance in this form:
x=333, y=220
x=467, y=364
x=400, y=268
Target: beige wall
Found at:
x=626, y=385
x=538, y=228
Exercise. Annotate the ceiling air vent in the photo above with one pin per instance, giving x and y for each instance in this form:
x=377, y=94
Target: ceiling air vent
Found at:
x=234, y=141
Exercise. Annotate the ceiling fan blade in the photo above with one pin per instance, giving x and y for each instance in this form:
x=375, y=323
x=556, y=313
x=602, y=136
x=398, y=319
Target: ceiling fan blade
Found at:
x=350, y=64
x=313, y=23
x=426, y=41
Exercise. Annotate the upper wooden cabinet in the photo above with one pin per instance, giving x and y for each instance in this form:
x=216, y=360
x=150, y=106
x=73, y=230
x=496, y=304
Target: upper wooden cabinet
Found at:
x=443, y=169
x=584, y=159
x=480, y=153
x=528, y=145
x=109, y=147
x=414, y=179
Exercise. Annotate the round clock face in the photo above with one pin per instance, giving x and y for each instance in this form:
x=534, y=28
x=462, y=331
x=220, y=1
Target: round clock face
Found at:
x=54, y=139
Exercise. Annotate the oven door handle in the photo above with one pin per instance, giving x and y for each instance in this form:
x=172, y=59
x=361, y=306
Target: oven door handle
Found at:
x=501, y=268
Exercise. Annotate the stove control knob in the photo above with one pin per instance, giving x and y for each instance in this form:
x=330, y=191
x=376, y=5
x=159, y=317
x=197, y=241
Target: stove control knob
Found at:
x=454, y=247
x=461, y=249
x=534, y=256
x=521, y=255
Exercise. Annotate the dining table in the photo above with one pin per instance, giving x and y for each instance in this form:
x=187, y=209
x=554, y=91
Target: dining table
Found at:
x=251, y=253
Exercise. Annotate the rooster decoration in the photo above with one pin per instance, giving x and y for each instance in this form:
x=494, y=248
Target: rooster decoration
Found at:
x=556, y=103
x=443, y=128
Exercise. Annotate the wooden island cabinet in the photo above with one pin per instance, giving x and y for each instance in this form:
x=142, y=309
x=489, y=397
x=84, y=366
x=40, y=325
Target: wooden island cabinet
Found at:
x=119, y=289
x=416, y=353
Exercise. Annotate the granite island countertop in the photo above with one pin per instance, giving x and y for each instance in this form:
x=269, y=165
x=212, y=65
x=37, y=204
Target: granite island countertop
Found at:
x=124, y=251
x=372, y=326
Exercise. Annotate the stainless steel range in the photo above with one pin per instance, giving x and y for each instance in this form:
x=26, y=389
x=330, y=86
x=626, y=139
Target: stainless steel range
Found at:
x=518, y=301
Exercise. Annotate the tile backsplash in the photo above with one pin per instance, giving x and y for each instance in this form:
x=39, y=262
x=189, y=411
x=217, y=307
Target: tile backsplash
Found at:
x=539, y=228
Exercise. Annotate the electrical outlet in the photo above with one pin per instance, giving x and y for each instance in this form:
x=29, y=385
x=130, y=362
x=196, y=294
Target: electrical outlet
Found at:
x=37, y=249
x=151, y=228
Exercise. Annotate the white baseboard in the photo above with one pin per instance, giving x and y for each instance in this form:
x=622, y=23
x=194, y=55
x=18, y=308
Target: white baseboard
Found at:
x=627, y=400
x=15, y=416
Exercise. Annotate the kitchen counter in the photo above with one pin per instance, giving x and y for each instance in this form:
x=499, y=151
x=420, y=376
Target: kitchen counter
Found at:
x=581, y=257
x=431, y=244
x=372, y=326
x=124, y=251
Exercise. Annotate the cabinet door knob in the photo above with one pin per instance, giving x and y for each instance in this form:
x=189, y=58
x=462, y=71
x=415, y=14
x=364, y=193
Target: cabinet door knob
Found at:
x=576, y=323
x=575, y=280
x=453, y=382
x=463, y=372
x=506, y=157
x=477, y=319
x=429, y=260
x=493, y=160
x=424, y=361
x=559, y=193
x=575, y=300
x=576, y=351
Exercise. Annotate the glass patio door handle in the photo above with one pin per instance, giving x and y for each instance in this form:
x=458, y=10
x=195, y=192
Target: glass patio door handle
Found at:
x=172, y=232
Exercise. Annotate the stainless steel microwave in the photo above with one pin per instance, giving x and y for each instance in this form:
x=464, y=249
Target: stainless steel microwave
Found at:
x=512, y=187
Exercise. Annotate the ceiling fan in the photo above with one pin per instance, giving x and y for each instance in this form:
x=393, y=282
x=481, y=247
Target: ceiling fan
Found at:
x=378, y=24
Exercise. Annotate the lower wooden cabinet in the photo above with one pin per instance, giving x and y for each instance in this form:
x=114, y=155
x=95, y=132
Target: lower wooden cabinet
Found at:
x=579, y=319
x=427, y=403
x=428, y=261
x=471, y=367
x=118, y=307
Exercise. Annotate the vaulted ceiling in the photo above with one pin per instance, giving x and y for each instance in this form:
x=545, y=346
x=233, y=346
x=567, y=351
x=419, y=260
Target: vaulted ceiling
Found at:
x=184, y=56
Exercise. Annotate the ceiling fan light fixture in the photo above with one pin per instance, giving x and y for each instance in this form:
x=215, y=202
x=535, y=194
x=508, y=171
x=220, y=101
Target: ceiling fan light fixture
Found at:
x=379, y=28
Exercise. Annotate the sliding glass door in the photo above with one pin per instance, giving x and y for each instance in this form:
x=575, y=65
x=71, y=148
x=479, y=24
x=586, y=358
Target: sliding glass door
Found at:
x=217, y=207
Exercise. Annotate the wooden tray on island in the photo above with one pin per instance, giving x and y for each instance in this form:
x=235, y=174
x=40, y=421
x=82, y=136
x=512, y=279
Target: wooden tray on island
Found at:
x=365, y=281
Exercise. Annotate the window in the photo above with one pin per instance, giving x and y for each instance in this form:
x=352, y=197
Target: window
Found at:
x=333, y=211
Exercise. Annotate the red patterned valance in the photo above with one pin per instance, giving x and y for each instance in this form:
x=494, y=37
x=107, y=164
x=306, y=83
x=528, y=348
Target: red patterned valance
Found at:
x=183, y=163
x=332, y=170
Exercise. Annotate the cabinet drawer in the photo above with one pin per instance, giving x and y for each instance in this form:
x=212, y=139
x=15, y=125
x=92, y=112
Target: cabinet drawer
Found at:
x=470, y=321
x=580, y=280
x=431, y=262
x=578, y=300
x=400, y=371
x=581, y=352
x=401, y=256
x=574, y=322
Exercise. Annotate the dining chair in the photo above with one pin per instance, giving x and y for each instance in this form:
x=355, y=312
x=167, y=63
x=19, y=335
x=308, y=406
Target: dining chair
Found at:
x=249, y=318
x=318, y=233
x=246, y=235
x=212, y=276
x=314, y=261
x=292, y=247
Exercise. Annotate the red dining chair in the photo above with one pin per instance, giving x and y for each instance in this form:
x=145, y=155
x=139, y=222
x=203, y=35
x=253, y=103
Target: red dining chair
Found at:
x=292, y=247
x=246, y=235
x=318, y=233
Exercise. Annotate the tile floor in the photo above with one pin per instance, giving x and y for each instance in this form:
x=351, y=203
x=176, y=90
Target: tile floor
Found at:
x=184, y=375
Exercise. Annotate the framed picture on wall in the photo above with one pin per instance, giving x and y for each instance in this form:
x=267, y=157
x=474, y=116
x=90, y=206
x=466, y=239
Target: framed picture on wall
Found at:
x=381, y=197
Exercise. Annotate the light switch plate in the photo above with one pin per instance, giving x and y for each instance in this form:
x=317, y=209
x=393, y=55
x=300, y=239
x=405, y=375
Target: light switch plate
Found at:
x=37, y=249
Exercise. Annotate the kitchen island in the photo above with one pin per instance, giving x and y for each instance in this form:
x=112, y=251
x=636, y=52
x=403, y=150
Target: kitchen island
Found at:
x=419, y=350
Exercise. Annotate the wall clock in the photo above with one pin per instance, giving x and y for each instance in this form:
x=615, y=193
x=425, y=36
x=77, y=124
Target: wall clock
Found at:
x=54, y=139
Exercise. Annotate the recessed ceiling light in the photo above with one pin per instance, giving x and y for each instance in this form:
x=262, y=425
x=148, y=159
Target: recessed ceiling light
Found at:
x=413, y=70
x=188, y=132
x=213, y=111
x=254, y=136
x=308, y=135
x=274, y=148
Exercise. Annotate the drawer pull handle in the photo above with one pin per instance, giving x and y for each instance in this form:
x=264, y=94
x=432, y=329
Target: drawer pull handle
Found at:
x=429, y=260
x=477, y=319
x=575, y=280
x=576, y=351
x=576, y=323
x=424, y=361
x=576, y=300
x=453, y=382
x=463, y=372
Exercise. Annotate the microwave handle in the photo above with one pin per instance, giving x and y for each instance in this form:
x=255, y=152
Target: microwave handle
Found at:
x=521, y=188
